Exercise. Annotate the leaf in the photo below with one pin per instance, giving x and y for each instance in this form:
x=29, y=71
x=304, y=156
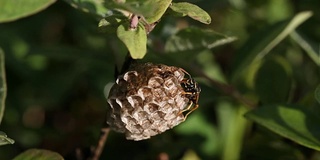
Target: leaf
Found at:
x=191, y=10
x=262, y=42
x=275, y=88
x=112, y=21
x=232, y=129
x=40, y=154
x=110, y=24
x=3, y=85
x=191, y=39
x=95, y=7
x=134, y=39
x=317, y=94
x=15, y=9
x=127, y=8
x=160, y=7
x=293, y=122
x=308, y=46
x=151, y=10
x=4, y=139
x=196, y=124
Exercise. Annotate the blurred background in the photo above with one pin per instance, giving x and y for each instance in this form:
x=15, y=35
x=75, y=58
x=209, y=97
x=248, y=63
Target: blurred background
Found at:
x=58, y=63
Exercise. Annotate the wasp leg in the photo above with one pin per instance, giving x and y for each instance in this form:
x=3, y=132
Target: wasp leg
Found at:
x=187, y=108
x=194, y=108
x=190, y=109
x=186, y=93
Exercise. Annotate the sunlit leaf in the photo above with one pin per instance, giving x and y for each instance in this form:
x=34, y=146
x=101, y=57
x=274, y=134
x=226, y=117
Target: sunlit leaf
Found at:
x=293, y=122
x=40, y=154
x=191, y=10
x=3, y=85
x=160, y=7
x=95, y=7
x=134, y=39
x=151, y=10
x=261, y=43
x=275, y=88
x=190, y=39
x=14, y=9
x=311, y=48
x=4, y=139
x=317, y=94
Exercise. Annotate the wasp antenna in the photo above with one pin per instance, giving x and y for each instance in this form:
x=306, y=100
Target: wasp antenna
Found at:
x=185, y=72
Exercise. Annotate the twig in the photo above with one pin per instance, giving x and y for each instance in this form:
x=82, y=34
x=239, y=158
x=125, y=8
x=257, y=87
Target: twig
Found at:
x=102, y=140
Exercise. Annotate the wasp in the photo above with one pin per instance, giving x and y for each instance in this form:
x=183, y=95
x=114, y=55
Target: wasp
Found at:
x=191, y=91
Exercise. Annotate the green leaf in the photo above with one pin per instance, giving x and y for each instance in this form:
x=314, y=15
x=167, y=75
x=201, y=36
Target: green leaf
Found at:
x=191, y=39
x=232, y=129
x=151, y=10
x=95, y=7
x=293, y=122
x=134, y=39
x=110, y=23
x=317, y=94
x=191, y=10
x=308, y=46
x=129, y=7
x=15, y=9
x=3, y=85
x=209, y=66
x=40, y=154
x=196, y=124
x=262, y=42
x=4, y=139
x=160, y=7
x=275, y=88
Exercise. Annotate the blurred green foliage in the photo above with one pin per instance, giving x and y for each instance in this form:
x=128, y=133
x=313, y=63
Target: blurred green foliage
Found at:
x=293, y=122
x=58, y=62
x=42, y=154
x=3, y=85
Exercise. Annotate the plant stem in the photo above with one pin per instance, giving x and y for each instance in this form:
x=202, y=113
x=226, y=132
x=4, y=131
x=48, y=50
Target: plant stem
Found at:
x=102, y=140
x=227, y=89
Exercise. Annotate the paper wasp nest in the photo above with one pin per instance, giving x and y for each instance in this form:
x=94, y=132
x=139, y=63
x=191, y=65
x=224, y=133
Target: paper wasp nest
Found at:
x=147, y=100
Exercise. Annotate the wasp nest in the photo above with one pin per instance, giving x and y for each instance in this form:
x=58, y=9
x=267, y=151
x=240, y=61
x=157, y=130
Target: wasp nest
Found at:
x=147, y=100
